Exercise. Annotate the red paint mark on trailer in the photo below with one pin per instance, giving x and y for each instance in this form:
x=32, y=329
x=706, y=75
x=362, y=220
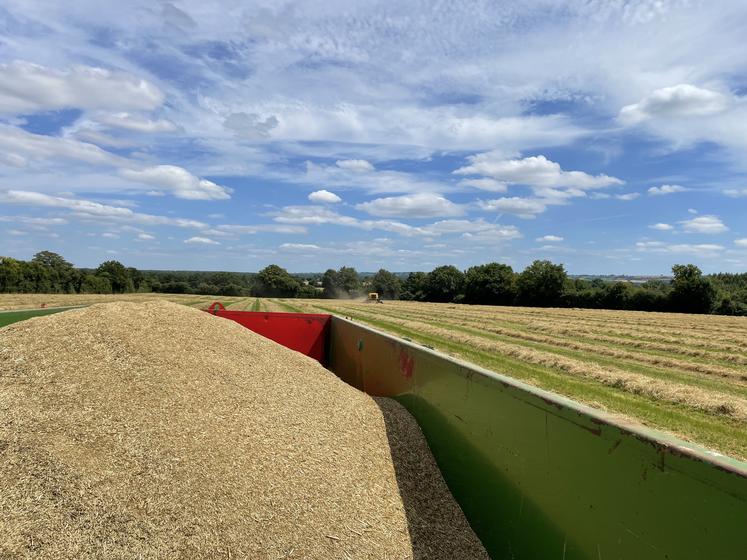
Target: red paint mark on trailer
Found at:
x=406, y=364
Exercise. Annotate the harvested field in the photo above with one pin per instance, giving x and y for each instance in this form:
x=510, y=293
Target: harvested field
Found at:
x=158, y=431
x=31, y=301
x=684, y=374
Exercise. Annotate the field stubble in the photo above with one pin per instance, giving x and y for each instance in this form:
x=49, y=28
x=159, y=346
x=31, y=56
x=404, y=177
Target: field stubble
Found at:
x=697, y=393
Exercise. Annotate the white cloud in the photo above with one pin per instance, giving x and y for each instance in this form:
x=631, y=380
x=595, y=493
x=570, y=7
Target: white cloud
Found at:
x=666, y=189
x=135, y=123
x=27, y=88
x=94, y=211
x=422, y=205
x=33, y=221
x=372, y=181
x=736, y=193
x=680, y=101
x=549, y=239
x=662, y=227
x=250, y=125
x=522, y=207
x=110, y=235
x=201, y=241
x=534, y=171
x=19, y=147
x=484, y=184
x=628, y=196
x=145, y=236
x=324, y=196
x=707, y=224
x=259, y=228
x=179, y=181
x=700, y=250
x=740, y=242
x=311, y=215
x=474, y=230
x=356, y=165
x=319, y=215
x=299, y=247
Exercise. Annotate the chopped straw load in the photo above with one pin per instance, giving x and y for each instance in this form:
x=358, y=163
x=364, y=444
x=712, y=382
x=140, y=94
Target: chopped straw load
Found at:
x=159, y=431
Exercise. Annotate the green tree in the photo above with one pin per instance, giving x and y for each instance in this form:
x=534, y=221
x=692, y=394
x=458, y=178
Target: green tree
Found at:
x=274, y=281
x=444, y=283
x=541, y=284
x=349, y=281
x=92, y=284
x=490, y=284
x=58, y=274
x=331, y=284
x=387, y=285
x=413, y=288
x=11, y=274
x=136, y=276
x=616, y=296
x=117, y=275
x=691, y=292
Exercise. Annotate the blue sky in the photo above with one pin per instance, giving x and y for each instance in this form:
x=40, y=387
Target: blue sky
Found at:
x=607, y=135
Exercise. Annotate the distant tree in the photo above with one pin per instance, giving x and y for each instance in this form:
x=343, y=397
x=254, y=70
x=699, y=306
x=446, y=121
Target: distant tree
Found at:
x=343, y=283
x=59, y=275
x=92, y=284
x=647, y=299
x=233, y=290
x=490, y=284
x=175, y=288
x=136, y=277
x=541, y=284
x=11, y=274
x=616, y=296
x=387, y=285
x=413, y=288
x=691, y=292
x=117, y=275
x=308, y=292
x=444, y=284
x=274, y=281
x=331, y=284
x=349, y=281
x=50, y=260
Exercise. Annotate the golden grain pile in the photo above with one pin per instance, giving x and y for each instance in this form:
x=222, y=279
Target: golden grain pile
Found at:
x=158, y=431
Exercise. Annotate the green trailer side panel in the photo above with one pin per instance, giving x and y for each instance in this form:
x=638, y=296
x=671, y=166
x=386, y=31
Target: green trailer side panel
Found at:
x=541, y=476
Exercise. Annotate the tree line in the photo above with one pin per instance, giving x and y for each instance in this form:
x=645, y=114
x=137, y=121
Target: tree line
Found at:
x=541, y=284
x=546, y=284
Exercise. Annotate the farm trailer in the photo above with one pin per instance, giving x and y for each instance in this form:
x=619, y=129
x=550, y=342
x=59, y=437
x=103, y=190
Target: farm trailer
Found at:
x=537, y=475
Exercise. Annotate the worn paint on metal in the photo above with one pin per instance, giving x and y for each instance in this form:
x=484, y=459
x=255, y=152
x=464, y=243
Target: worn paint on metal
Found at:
x=542, y=476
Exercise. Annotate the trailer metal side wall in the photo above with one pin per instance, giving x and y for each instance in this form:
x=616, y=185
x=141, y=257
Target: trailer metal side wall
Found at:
x=540, y=476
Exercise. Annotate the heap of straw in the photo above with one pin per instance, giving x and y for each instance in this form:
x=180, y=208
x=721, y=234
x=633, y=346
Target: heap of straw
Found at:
x=159, y=431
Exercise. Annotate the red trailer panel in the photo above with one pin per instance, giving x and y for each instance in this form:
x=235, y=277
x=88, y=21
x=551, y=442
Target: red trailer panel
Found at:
x=303, y=332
